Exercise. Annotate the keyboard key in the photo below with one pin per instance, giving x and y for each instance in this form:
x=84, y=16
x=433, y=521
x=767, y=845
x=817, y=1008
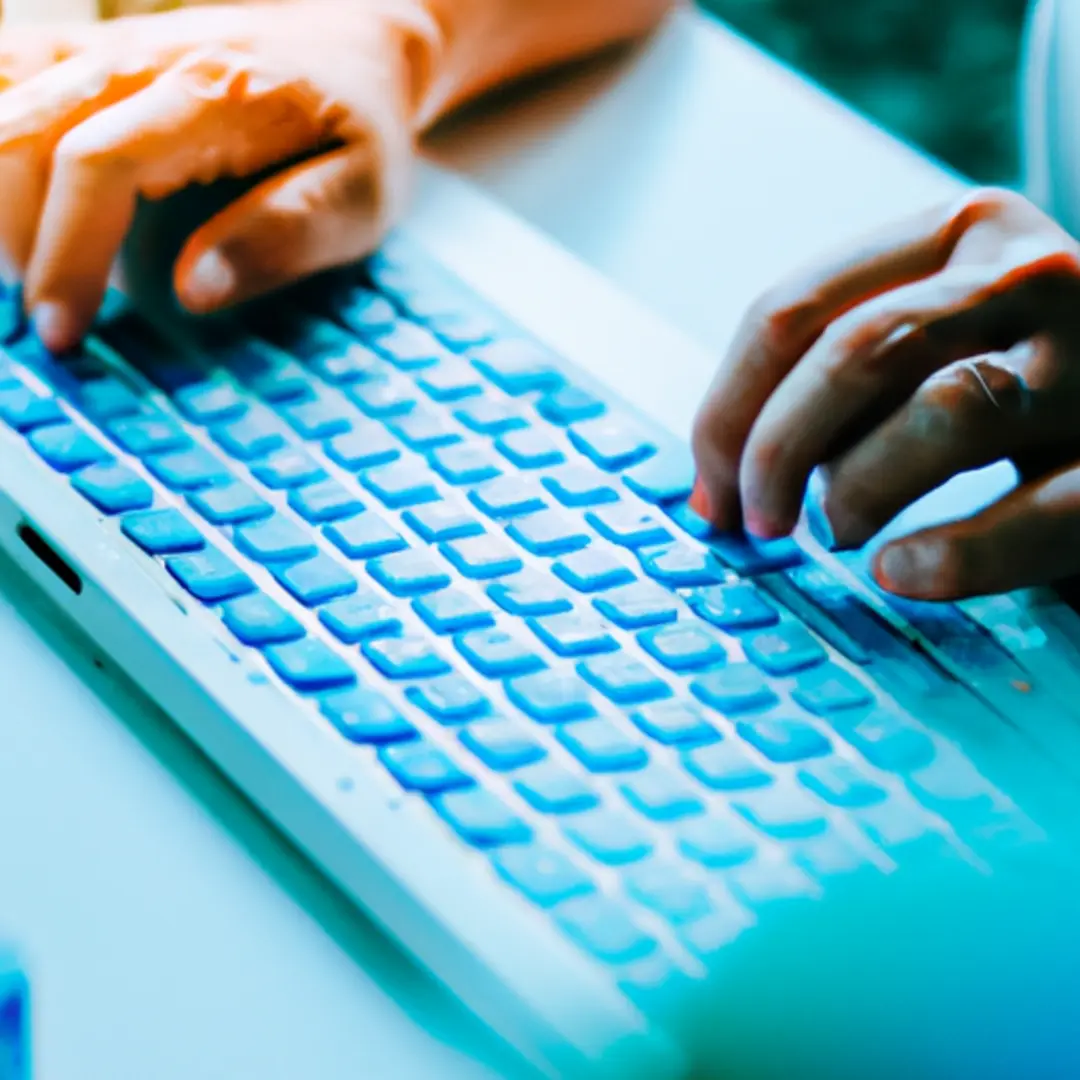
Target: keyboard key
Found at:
x=829, y=856
x=254, y=435
x=365, y=717
x=637, y=606
x=277, y=539
x=887, y=741
x=400, y=484
x=364, y=312
x=611, y=442
x=162, y=532
x=628, y=526
x=901, y=828
x=715, y=841
x=409, y=347
x=529, y=448
x=570, y=405
x=453, y=610
x=683, y=646
x=106, y=399
x=113, y=488
x=507, y=497
x=951, y=786
x=592, y=570
x=725, y=766
x=409, y=573
x=362, y=615
x=232, y=503
x=490, y=416
x=481, y=818
x=782, y=812
x=622, y=679
x=765, y=882
x=840, y=783
x=502, y=745
x=462, y=329
x=450, y=699
x=830, y=689
x=324, y=501
x=601, y=746
x=465, y=463
x=309, y=665
x=663, y=886
x=783, y=651
x=680, y=566
x=368, y=445
x=750, y=557
x=66, y=447
x=441, y=521
x=574, y=634
x=315, y=581
x=517, y=367
x=188, y=470
x=543, y=875
x=602, y=927
x=420, y=766
x=734, y=608
x=497, y=654
x=353, y=364
x=366, y=536
x=481, y=557
x=675, y=723
x=530, y=593
x=710, y=936
x=552, y=789
x=450, y=380
x=551, y=697
x=576, y=486
x=784, y=740
x=421, y=429
x=406, y=657
x=143, y=435
x=257, y=620
x=383, y=399
x=734, y=690
x=548, y=533
x=660, y=794
x=666, y=477
x=318, y=417
x=288, y=468
x=607, y=836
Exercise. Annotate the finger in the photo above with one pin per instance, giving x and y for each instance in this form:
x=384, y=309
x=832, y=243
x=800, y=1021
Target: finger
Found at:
x=1030, y=537
x=26, y=51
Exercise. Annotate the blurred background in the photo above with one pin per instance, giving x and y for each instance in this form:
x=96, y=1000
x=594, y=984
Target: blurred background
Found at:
x=939, y=73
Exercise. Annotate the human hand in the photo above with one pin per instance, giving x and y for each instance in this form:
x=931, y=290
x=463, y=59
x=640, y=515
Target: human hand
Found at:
x=948, y=343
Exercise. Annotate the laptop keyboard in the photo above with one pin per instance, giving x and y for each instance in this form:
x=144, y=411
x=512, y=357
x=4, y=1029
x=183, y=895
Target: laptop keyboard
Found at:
x=474, y=564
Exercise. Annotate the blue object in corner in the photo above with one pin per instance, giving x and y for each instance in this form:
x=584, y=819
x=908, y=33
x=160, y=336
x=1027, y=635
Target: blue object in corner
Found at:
x=14, y=1019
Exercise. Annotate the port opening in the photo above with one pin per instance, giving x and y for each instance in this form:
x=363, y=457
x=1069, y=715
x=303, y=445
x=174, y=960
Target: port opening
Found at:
x=50, y=557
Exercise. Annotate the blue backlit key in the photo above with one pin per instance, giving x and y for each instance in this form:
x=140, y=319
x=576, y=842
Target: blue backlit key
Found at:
x=542, y=874
x=383, y=399
x=24, y=409
x=886, y=740
x=450, y=380
x=162, y=532
x=782, y=739
x=288, y=468
x=464, y=463
x=361, y=615
x=735, y=690
x=400, y=484
x=210, y=575
x=490, y=416
x=717, y=841
x=638, y=605
x=366, y=536
x=623, y=679
x=210, y=402
x=367, y=445
x=366, y=717
x=364, y=312
x=725, y=766
x=507, y=497
x=628, y=526
x=750, y=557
x=830, y=689
x=548, y=533
x=318, y=417
x=666, y=477
x=762, y=883
x=675, y=723
x=551, y=697
x=530, y=593
x=406, y=657
x=254, y=435
x=421, y=429
x=481, y=818
x=783, y=651
x=734, y=608
x=840, y=783
x=326, y=500
x=66, y=447
x=277, y=539
x=481, y=557
x=680, y=566
x=420, y=766
x=612, y=442
x=517, y=367
x=316, y=581
x=665, y=887
x=409, y=573
x=113, y=488
x=188, y=470
x=257, y=620
x=529, y=448
x=437, y=522
x=150, y=434
x=661, y=794
x=452, y=610
x=309, y=665
x=574, y=634
x=502, y=745
x=570, y=405
x=107, y=399
x=602, y=927
x=608, y=836
x=601, y=746
x=409, y=347
x=592, y=570
x=553, y=789
x=450, y=699
x=577, y=485
x=782, y=812
x=497, y=654
x=683, y=646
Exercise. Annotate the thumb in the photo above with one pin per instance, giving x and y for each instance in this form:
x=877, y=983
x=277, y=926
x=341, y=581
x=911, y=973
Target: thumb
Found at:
x=327, y=212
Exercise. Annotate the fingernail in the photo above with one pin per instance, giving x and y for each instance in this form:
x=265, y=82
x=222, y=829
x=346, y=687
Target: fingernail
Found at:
x=211, y=282
x=913, y=569
x=760, y=525
x=54, y=325
x=700, y=502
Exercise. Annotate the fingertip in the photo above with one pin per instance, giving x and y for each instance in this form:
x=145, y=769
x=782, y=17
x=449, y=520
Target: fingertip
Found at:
x=57, y=326
x=700, y=500
x=916, y=569
x=206, y=280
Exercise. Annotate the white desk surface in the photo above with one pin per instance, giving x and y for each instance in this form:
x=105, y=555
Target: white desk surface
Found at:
x=172, y=934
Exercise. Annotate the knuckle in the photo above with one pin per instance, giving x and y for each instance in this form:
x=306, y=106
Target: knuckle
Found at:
x=780, y=321
x=969, y=397
x=989, y=203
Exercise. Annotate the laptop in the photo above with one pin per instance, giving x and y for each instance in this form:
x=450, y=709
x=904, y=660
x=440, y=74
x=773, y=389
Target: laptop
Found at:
x=407, y=552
